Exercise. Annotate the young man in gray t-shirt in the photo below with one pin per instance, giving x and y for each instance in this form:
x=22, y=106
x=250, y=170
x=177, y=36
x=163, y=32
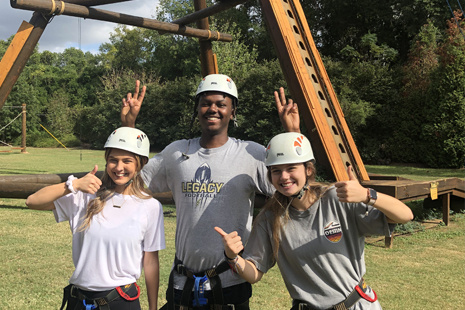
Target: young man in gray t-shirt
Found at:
x=213, y=180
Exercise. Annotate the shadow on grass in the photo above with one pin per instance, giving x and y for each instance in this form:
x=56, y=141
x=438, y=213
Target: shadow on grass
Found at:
x=13, y=207
x=22, y=171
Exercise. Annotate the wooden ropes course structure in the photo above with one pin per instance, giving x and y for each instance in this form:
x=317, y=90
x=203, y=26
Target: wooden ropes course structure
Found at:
x=300, y=62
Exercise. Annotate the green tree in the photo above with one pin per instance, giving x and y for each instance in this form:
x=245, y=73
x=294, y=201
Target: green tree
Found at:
x=444, y=129
x=129, y=48
x=366, y=82
x=410, y=113
x=336, y=24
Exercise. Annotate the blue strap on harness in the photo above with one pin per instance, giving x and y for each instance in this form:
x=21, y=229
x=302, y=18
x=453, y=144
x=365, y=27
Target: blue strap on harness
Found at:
x=199, y=299
x=89, y=307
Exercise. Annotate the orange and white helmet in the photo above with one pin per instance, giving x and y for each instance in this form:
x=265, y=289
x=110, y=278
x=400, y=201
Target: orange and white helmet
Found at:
x=129, y=139
x=288, y=148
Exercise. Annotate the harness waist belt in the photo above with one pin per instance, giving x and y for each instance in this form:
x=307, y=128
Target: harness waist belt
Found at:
x=102, y=302
x=353, y=297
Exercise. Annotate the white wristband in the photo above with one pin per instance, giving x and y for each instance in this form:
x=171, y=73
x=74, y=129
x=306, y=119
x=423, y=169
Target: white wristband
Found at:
x=69, y=183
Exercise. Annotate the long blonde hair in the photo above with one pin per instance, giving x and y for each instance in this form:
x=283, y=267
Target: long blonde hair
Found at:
x=107, y=190
x=278, y=205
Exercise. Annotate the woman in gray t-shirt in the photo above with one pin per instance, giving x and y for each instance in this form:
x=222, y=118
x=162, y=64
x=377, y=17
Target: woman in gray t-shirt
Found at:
x=315, y=233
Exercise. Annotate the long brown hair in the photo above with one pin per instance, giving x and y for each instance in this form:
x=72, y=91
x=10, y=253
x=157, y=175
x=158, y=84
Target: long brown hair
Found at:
x=278, y=205
x=107, y=190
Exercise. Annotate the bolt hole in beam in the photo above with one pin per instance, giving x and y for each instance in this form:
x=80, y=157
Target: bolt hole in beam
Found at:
x=315, y=80
x=328, y=113
x=307, y=60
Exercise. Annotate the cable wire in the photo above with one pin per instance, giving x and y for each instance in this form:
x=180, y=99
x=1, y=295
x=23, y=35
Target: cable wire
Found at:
x=11, y=121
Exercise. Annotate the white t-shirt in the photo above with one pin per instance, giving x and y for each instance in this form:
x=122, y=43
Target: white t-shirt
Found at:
x=110, y=252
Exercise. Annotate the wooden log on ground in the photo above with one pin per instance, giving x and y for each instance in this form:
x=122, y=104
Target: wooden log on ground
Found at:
x=21, y=186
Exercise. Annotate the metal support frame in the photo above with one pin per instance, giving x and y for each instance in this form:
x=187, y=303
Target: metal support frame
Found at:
x=310, y=87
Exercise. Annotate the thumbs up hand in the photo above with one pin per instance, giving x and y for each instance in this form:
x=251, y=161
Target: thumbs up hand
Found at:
x=89, y=183
x=351, y=191
x=232, y=242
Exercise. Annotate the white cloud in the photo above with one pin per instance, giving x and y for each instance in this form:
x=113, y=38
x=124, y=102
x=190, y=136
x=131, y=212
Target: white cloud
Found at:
x=63, y=31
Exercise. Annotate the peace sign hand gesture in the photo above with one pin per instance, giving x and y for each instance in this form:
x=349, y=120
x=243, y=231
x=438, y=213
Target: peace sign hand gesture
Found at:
x=288, y=112
x=131, y=106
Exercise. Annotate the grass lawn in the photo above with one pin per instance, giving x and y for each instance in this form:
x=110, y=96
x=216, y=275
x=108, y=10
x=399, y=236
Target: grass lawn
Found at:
x=424, y=270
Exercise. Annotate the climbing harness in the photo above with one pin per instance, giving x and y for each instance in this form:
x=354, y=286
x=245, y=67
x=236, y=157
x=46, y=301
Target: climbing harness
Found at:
x=358, y=292
x=196, y=281
x=102, y=303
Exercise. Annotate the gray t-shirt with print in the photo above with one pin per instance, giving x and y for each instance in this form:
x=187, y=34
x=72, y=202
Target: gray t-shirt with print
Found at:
x=212, y=187
x=321, y=254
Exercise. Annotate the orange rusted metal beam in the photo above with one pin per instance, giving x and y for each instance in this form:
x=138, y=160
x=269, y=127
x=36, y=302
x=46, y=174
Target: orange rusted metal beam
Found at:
x=310, y=87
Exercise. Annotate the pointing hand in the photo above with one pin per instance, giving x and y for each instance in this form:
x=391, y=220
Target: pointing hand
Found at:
x=232, y=242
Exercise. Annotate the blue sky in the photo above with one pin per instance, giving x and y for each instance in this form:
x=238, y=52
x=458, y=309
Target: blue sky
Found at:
x=63, y=31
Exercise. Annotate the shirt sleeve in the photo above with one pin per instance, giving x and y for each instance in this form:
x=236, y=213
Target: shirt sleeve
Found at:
x=371, y=221
x=264, y=186
x=154, y=174
x=259, y=248
x=154, y=237
x=72, y=208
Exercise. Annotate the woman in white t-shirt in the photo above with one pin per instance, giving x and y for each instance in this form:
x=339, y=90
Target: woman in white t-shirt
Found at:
x=117, y=227
x=315, y=233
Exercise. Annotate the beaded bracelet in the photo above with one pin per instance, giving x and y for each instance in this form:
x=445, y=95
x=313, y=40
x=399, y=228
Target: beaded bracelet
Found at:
x=233, y=263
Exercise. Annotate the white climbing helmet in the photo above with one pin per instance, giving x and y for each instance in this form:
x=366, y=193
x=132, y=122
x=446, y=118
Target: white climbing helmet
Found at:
x=217, y=82
x=288, y=148
x=129, y=139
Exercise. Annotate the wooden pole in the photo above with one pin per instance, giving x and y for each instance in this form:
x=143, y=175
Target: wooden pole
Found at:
x=206, y=12
x=63, y=8
x=23, y=44
x=21, y=186
x=17, y=54
x=94, y=2
x=207, y=61
x=23, y=130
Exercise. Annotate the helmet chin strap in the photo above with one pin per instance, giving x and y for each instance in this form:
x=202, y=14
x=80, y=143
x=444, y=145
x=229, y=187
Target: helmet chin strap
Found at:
x=301, y=193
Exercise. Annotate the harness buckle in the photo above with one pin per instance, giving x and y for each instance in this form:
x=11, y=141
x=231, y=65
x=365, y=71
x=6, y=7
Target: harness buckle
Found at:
x=231, y=306
x=89, y=306
x=303, y=306
x=199, y=291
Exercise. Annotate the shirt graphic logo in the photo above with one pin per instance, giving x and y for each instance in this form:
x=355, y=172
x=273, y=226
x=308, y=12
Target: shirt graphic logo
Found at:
x=202, y=186
x=333, y=232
